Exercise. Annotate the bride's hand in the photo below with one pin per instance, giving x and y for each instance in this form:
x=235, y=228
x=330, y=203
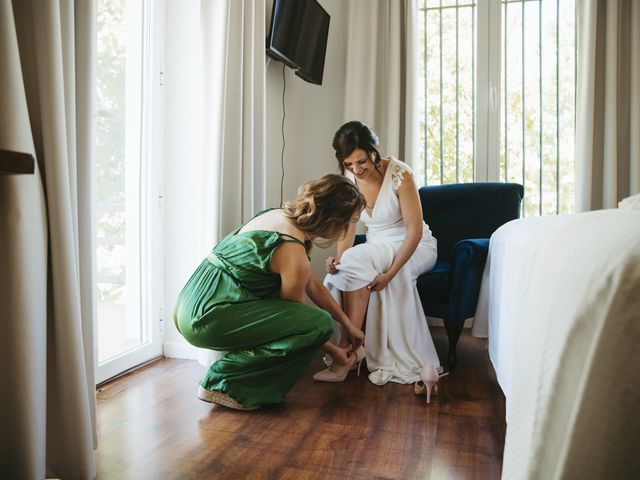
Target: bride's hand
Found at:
x=330, y=265
x=379, y=282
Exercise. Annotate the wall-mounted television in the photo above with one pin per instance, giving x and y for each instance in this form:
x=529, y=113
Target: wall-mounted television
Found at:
x=298, y=37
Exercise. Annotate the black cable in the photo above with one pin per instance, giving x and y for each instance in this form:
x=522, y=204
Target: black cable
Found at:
x=284, y=85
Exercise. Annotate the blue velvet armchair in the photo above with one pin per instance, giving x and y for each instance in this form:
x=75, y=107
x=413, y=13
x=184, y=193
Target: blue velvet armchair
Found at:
x=462, y=218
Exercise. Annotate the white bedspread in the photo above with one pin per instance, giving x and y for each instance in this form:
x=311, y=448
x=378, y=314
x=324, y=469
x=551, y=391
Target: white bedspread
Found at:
x=561, y=301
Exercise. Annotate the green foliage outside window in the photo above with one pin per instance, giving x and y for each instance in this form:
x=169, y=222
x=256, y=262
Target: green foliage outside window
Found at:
x=537, y=146
x=110, y=154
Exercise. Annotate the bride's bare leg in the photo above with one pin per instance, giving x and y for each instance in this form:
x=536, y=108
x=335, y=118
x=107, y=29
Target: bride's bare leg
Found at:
x=355, y=305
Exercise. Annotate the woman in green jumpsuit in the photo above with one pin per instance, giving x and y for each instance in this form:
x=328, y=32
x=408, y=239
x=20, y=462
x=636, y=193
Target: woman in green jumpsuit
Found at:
x=247, y=298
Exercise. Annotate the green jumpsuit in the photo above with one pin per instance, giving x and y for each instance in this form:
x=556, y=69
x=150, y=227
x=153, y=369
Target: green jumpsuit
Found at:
x=231, y=303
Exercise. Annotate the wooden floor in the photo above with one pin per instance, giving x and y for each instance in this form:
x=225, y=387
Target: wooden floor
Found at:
x=152, y=426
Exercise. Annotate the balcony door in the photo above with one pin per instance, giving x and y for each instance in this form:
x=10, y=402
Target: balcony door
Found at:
x=127, y=208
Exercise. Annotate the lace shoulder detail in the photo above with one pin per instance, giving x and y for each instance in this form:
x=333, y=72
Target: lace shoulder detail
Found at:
x=398, y=169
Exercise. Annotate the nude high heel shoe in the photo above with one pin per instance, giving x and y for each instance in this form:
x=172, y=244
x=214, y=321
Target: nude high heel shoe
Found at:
x=338, y=373
x=429, y=377
x=359, y=354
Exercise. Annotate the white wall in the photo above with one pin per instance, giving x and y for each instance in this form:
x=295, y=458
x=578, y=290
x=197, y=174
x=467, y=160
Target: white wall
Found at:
x=313, y=114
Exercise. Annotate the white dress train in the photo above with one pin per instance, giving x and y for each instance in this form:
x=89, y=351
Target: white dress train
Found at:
x=397, y=337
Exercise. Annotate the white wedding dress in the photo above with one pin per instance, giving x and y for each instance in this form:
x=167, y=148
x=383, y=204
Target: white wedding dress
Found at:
x=397, y=338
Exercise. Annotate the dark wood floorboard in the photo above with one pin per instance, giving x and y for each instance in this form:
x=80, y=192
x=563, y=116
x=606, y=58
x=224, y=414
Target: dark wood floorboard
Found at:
x=151, y=425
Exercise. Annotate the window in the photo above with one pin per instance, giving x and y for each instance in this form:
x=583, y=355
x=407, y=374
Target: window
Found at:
x=447, y=87
x=498, y=96
x=538, y=98
x=127, y=323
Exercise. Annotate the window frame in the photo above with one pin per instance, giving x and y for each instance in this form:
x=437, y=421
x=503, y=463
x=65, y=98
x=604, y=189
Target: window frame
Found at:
x=488, y=88
x=151, y=207
x=488, y=160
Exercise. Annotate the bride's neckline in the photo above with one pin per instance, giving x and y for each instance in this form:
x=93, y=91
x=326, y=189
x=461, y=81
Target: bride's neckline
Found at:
x=369, y=211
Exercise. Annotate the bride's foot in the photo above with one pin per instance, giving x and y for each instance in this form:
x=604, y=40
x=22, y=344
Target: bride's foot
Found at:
x=338, y=372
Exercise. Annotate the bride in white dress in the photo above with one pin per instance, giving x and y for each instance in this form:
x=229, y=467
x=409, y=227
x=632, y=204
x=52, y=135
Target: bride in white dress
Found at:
x=377, y=279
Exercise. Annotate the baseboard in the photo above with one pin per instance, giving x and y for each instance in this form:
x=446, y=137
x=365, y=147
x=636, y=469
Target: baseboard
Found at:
x=179, y=350
x=437, y=322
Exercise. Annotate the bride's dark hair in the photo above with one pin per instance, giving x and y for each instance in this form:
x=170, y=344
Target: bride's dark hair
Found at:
x=353, y=135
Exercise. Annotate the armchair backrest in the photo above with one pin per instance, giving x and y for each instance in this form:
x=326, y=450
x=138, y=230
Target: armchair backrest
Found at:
x=468, y=210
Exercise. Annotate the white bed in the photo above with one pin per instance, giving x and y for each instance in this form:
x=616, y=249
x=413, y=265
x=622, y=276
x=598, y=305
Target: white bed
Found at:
x=560, y=301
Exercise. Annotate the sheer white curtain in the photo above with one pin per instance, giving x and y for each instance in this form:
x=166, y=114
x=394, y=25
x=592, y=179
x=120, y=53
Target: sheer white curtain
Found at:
x=219, y=95
x=47, y=398
x=241, y=122
x=243, y=155
x=216, y=128
x=608, y=103
x=381, y=73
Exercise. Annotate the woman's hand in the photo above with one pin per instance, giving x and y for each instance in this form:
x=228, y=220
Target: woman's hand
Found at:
x=341, y=355
x=356, y=336
x=331, y=264
x=380, y=282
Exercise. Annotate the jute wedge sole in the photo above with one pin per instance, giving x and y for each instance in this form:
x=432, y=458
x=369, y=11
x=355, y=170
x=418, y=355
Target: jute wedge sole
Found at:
x=222, y=398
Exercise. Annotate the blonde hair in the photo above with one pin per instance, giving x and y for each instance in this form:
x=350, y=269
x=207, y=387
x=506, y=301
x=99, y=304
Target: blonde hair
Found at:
x=325, y=207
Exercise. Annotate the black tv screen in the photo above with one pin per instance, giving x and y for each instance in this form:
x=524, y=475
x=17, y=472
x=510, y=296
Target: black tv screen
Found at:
x=298, y=37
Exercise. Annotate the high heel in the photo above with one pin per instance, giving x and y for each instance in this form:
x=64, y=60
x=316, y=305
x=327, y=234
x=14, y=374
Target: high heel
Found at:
x=429, y=377
x=360, y=354
x=338, y=373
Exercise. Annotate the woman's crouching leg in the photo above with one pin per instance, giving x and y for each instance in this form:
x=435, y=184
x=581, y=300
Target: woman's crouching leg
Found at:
x=272, y=342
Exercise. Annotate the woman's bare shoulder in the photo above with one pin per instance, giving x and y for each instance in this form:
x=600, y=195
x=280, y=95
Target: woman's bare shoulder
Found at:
x=273, y=220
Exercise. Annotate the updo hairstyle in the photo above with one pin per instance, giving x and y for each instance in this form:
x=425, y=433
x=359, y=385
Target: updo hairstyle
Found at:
x=353, y=135
x=325, y=207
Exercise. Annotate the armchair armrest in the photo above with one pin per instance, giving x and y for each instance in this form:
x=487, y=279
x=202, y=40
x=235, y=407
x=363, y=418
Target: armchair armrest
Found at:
x=467, y=265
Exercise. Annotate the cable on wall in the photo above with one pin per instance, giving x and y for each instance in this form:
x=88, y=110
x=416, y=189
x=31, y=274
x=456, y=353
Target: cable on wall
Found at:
x=284, y=85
